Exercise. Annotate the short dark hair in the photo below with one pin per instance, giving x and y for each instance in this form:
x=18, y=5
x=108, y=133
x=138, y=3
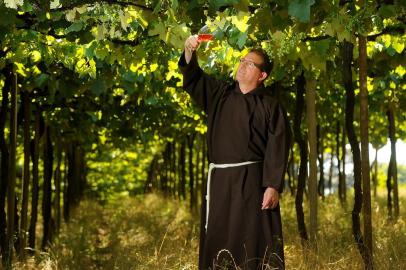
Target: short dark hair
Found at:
x=266, y=65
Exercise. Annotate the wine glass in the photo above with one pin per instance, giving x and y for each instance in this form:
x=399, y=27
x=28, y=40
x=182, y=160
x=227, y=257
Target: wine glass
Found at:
x=204, y=34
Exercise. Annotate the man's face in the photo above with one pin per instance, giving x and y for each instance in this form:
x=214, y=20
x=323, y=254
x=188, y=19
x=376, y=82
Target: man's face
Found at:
x=249, y=71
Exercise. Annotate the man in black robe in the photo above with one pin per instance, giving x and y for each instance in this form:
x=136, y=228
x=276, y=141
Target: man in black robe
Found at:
x=248, y=146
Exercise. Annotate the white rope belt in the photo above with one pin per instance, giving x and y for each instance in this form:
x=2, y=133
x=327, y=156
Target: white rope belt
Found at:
x=211, y=167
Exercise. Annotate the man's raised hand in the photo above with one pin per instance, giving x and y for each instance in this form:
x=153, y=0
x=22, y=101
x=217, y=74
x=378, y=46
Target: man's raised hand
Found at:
x=191, y=44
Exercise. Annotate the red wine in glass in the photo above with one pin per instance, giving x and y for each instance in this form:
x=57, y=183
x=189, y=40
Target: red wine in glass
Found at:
x=204, y=37
x=204, y=34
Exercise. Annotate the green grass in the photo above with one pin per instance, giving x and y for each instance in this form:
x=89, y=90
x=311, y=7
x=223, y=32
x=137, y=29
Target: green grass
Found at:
x=154, y=232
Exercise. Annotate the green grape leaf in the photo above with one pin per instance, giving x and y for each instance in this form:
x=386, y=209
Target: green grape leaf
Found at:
x=26, y=7
x=75, y=27
x=216, y=4
x=55, y=4
x=398, y=46
x=278, y=73
x=177, y=35
x=321, y=47
x=175, y=4
x=20, y=69
x=301, y=9
x=261, y=20
x=391, y=51
x=130, y=76
x=8, y=16
x=242, y=39
x=157, y=7
x=41, y=80
x=14, y=4
x=158, y=29
x=101, y=53
x=233, y=35
x=85, y=37
x=387, y=11
x=98, y=87
x=344, y=35
x=152, y=100
x=240, y=21
x=242, y=5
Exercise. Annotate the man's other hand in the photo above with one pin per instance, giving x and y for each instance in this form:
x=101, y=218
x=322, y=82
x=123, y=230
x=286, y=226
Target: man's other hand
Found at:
x=271, y=198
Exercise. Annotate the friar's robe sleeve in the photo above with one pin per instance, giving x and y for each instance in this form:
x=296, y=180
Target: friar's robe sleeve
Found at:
x=277, y=148
x=200, y=86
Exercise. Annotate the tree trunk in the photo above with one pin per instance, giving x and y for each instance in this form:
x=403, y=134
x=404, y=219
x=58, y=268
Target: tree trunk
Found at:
x=82, y=172
x=70, y=183
x=57, y=178
x=375, y=173
x=340, y=175
x=174, y=170
x=190, y=140
x=156, y=179
x=76, y=178
x=203, y=168
x=366, y=178
x=4, y=176
x=291, y=172
x=26, y=174
x=168, y=168
x=347, y=55
x=389, y=188
x=47, y=189
x=300, y=84
x=11, y=204
x=330, y=173
x=312, y=184
x=150, y=176
x=320, y=155
x=393, y=167
x=182, y=157
x=35, y=180
x=16, y=226
x=66, y=148
x=197, y=170
x=165, y=171
x=344, y=175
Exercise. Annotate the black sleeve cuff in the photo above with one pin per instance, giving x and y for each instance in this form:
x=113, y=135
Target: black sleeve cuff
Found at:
x=191, y=68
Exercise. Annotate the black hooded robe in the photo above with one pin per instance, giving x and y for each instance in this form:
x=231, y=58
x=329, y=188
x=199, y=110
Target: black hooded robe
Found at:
x=241, y=127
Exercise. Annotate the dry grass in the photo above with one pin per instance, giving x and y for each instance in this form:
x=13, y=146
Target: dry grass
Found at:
x=336, y=248
x=131, y=233
x=157, y=233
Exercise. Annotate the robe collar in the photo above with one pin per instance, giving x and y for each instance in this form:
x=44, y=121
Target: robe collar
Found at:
x=260, y=90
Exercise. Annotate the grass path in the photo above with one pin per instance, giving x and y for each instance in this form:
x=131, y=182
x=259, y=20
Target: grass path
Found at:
x=130, y=233
x=157, y=233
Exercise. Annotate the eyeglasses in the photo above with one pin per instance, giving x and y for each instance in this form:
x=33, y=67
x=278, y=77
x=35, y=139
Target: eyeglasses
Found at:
x=250, y=63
